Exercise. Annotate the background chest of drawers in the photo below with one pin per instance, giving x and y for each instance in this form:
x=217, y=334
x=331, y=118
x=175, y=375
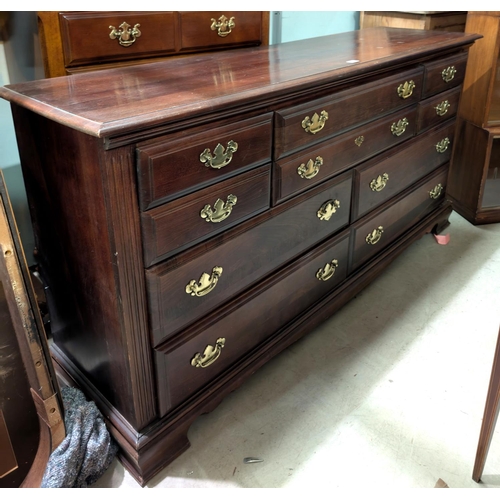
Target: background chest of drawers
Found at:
x=189, y=229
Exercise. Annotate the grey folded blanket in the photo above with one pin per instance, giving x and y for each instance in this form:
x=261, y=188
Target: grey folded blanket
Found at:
x=87, y=450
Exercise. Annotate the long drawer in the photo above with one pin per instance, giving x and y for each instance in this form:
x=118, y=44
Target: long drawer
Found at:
x=314, y=121
x=185, y=287
x=301, y=171
x=374, y=232
x=377, y=181
x=180, y=163
x=184, y=367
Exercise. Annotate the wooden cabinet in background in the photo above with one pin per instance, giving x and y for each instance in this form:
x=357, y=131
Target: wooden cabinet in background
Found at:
x=474, y=182
x=422, y=20
x=73, y=42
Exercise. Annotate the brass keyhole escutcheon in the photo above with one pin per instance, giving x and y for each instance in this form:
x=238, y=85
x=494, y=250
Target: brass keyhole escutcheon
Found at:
x=125, y=34
x=316, y=123
x=442, y=108
x=223, y=25
x=328, y=208
x=374, y=237
x=449, y=73
x=206, y=283
x=221, y=210
x=442, y=145
x=399, y=128
x=328, y=270
x=436, y=192
x=405, y=90
x=220, y=157
x=379, y=183
x=210, y=354
x=311, y=168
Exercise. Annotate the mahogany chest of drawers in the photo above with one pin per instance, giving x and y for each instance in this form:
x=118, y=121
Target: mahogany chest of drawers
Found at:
x=194, y=217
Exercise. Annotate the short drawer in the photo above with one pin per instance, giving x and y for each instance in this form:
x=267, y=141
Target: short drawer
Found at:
x=373, y=233
x=177, y=225
x=231, y=333
x=96, y=37
x=184, y=288
x=316, y=120
x=377, y=181
x=184, y=162
x=444, y=74
x=438, y=109
x=301, y=171
x=205, y=29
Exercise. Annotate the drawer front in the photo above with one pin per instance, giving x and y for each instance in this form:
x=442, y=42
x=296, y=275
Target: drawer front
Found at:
x=373, y=233
x=444, y=74
x=301, y=171
x=247, y=322
x=193, y=159
x=378, y=181
x=217, y=29
x=438, y=109
x=183, y=289
x=181, y=223
x=317, y=120
x=95, y=37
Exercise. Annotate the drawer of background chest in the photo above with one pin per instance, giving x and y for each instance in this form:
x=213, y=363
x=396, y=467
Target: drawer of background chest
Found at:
x=86, y=36
x=374, y=232
x=314, y=121
x=301, y=171
x=177, y=225
x=216, y=29
x=379, y=179
x=187, y=364
x=183, y=162
x=186, y=287
x=438, y=109
x=444, y=74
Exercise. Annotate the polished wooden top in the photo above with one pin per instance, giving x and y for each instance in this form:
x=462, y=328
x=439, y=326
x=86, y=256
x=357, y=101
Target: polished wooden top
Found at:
x=116, y=101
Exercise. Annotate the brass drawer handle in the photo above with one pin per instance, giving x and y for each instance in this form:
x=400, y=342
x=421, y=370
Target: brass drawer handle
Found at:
x=328, y=208
x=311, y=168
x=405, y=90
x=442, y=108
x=206, y=285
x=375, y=235
x=379, y=183
x=448, y=74
x=221, y=210
x=221, y=157
x=359, y=140
x=223, y=25
x=316, y=123
x=442, y=145
x=399, y=128
x=125, y=34
x=326, y=272
x=436, y=192
x=210, y=354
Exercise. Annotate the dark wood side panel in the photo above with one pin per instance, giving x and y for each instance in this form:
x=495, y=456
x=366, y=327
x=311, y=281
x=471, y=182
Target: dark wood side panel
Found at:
x=82, y=258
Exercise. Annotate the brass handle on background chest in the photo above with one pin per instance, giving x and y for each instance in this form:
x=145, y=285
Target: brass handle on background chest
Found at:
x=221, y=210
x=328, y=208
x=442, y=108
x=311, y=168
x=223, y=25
x=448, y=74
x=125, y=34
x=210, y=354
x=379, y=183
x=442, y=145
x=374, y=237
x=206, y=284
x=399, y=128
x=405, y=90
x=436, y=192
x=221, y=156
x=328, y=270
x=316, y=123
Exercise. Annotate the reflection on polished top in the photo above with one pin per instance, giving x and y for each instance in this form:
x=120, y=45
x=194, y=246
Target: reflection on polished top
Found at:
x=112, y=102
